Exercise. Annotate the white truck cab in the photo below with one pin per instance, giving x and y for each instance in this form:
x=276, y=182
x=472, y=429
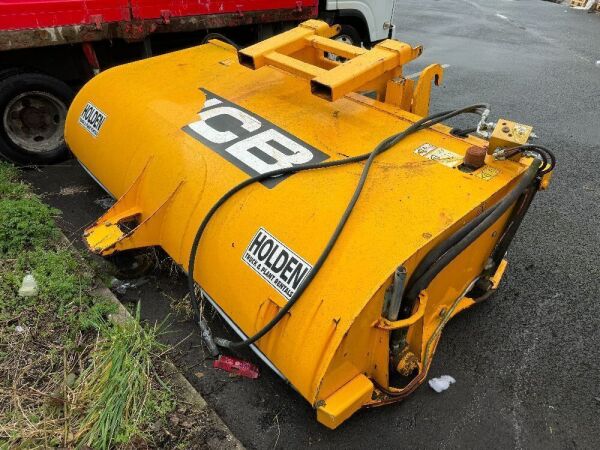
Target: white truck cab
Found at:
x=363, y=21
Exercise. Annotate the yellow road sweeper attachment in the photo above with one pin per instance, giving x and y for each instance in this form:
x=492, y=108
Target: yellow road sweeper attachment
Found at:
x=333, y=222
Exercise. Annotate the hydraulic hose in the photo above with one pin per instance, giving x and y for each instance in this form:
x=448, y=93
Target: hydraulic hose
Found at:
x=423, y=281
x=383, y=146
x=443, y=247
x=544, y=153
x=510, y=230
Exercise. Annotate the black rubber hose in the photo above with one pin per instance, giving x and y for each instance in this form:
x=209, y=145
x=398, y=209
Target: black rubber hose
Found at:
x=549, y=162
x=545, y=153
x=425, y=279
x=509, y=153
x=443, y=247
x=540, y=149
x=369, y=157
x=510, y=230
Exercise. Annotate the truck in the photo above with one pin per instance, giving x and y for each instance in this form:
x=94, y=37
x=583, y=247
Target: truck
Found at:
x=49, y=49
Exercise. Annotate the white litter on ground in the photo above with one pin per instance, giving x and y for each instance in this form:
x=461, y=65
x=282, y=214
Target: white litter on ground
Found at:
x=73, y=190
x=442, y=383
x=120, y=286
x=28, y=287
x=19, y=329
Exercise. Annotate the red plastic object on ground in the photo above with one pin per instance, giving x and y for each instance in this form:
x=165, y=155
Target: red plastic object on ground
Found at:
x=236, y=366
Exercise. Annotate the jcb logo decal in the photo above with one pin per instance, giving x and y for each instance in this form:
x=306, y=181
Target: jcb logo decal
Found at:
x=248, y=141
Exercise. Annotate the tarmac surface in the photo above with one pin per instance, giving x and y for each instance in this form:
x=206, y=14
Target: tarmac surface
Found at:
x=527, y=361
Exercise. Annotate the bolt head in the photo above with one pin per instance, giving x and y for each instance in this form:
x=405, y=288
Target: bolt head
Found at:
x=475, y=157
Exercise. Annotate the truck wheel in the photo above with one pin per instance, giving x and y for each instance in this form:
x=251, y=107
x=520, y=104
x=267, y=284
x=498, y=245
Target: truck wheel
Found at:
x=4, y=73
x=349, y=35
x=33, y=109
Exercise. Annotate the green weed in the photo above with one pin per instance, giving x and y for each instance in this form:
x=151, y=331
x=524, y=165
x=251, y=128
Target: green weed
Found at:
x=69, y=377
x=10, y=186
x=94, y=318
x=116, y=388
x=25, y=224
x=60, y=276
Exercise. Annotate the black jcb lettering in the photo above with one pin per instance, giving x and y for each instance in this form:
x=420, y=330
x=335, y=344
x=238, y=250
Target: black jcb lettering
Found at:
x=250, y=142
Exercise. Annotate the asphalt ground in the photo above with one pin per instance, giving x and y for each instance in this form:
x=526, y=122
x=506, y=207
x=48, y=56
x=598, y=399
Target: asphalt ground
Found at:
x=527, y=361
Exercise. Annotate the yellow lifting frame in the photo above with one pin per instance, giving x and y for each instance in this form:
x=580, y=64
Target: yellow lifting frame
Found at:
x=303, y=52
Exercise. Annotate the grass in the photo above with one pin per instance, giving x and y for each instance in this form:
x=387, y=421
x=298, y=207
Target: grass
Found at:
x=10, y=186
x=69, y=377
x=25, y=224
x=115, y=388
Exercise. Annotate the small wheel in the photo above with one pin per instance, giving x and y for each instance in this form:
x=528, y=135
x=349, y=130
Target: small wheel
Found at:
x=133, y=263
x=33, y=109
x=348, y=35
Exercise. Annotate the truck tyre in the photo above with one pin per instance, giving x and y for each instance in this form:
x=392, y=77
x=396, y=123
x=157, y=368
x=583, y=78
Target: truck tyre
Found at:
x=349, y=35
x=33, y=109
x=4, y=73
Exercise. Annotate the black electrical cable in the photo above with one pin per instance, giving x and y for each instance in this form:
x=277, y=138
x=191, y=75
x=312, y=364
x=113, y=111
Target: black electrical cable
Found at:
x=369, y=157
x=432, y=271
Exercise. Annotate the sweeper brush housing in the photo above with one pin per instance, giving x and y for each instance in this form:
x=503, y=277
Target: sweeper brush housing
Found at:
x=425, y=239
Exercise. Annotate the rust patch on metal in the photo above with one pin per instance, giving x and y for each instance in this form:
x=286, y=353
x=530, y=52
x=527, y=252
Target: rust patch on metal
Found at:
x=137, y=30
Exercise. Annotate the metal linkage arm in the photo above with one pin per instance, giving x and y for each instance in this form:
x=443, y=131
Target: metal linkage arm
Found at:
x=303, y=52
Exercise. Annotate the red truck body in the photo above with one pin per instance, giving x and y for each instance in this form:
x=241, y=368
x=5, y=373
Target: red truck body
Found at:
x=35, y=23
x=25, y=14
x=22, y=14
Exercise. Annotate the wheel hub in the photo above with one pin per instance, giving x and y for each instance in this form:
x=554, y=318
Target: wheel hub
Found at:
x=35, y=121
x=340, y=38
